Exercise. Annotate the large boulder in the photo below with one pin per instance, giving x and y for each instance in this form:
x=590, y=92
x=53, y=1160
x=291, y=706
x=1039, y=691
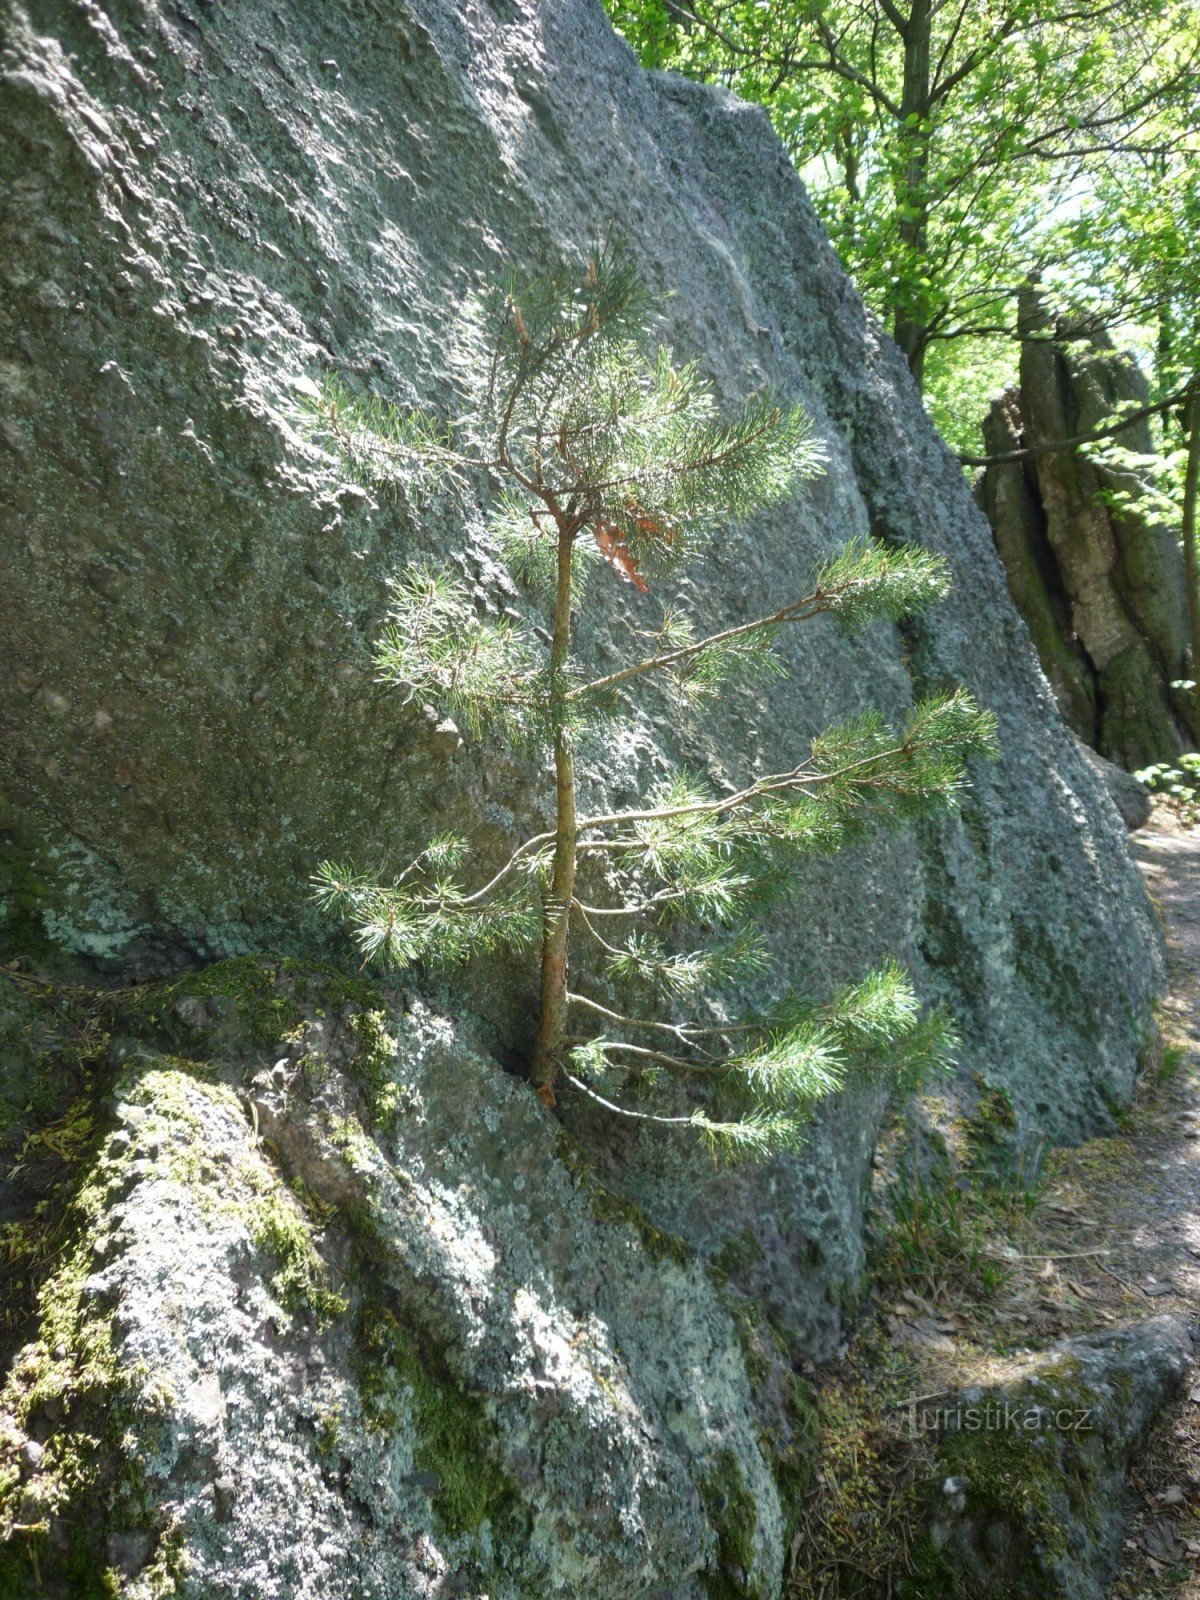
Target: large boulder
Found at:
x=1095, y=572
x=1030, y=1494
x=336, y=1312
x=204, y=209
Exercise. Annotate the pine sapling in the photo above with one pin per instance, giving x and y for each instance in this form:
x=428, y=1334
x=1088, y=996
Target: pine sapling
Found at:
x=614, y=466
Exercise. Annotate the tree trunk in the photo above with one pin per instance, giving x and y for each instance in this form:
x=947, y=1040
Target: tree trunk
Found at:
x=556, y=920
x=1191, y=491
x=912, y=200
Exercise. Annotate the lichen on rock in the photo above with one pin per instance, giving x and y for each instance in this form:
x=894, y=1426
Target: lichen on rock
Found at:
x=433, y=1329
x=206, y=209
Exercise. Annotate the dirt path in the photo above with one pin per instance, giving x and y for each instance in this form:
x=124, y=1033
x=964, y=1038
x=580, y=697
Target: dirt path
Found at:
x=1108, y=1237
x=1153, y=1214
x=1136, y=1197
x=1120, y=1226
x=1113, y=1238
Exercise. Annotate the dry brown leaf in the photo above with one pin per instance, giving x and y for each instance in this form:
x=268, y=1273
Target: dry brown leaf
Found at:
x=612, y=546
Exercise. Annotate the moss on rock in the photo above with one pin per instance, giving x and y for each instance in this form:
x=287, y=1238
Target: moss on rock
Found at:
x=455, y=1446
x=734, y=1517
x=69, y=1475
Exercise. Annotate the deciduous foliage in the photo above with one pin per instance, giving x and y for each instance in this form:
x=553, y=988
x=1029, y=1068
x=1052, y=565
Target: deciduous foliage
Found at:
x=614, y=467
x=1131, y=255
x=942, y=139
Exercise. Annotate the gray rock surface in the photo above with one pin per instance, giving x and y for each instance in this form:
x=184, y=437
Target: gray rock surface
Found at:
x=205, y=208
x=1131, y=798
x=1029, y=1502
x=1099, y=581
x=369, y=1327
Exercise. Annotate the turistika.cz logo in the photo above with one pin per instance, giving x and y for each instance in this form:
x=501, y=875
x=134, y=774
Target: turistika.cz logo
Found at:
x=993, y=1416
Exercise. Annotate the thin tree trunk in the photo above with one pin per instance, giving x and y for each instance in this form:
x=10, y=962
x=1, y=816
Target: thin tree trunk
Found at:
x=556, y=923
x=909, y=328
x=1191, y=491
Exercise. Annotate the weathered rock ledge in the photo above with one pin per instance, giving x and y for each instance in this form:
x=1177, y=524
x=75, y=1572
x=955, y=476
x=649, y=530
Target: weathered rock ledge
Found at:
x=335, y=1308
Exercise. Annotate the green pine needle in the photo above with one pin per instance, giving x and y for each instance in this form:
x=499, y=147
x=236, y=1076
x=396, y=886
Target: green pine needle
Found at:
x=612, y=462
x=482, y=672
x=867, y=580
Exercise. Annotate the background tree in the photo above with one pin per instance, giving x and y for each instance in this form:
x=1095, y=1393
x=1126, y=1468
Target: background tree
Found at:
x=1129, y=254
x=615, y=467
x=944, y=140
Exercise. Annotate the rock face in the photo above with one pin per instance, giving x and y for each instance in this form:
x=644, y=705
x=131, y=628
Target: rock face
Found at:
x=204, y=209
x=1099, y=582
x=368, y=1327
x=1131, y=798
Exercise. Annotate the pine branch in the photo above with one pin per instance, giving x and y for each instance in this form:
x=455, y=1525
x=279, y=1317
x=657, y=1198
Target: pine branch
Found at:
x=481, y=671
x=386, y=443
x=640, y=1052
x=864, y=582
x=946, y=728
x=680, y=1031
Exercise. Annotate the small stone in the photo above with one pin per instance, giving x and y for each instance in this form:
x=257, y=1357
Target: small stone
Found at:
x=224, y=1498
x=447, y=736
x=31, y=1454
x=129, y=1552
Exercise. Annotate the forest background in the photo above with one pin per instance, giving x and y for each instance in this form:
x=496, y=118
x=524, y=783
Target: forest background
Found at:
x=960, y=153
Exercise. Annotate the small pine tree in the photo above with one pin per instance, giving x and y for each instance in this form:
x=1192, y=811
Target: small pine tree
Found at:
x=614, y=466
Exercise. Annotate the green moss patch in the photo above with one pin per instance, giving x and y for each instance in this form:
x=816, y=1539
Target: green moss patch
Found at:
x=300, y=1281
x=1027, y=1488
x=69, y=1389
x=733, y=1515
x=246, y=988
x=397, y=1380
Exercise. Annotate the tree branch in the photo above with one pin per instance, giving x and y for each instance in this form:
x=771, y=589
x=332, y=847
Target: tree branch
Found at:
x=622, y=1111
x=1055, y=445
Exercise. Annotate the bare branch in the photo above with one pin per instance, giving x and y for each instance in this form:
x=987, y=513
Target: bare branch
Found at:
x=1055, y=445
x=623, y=1111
